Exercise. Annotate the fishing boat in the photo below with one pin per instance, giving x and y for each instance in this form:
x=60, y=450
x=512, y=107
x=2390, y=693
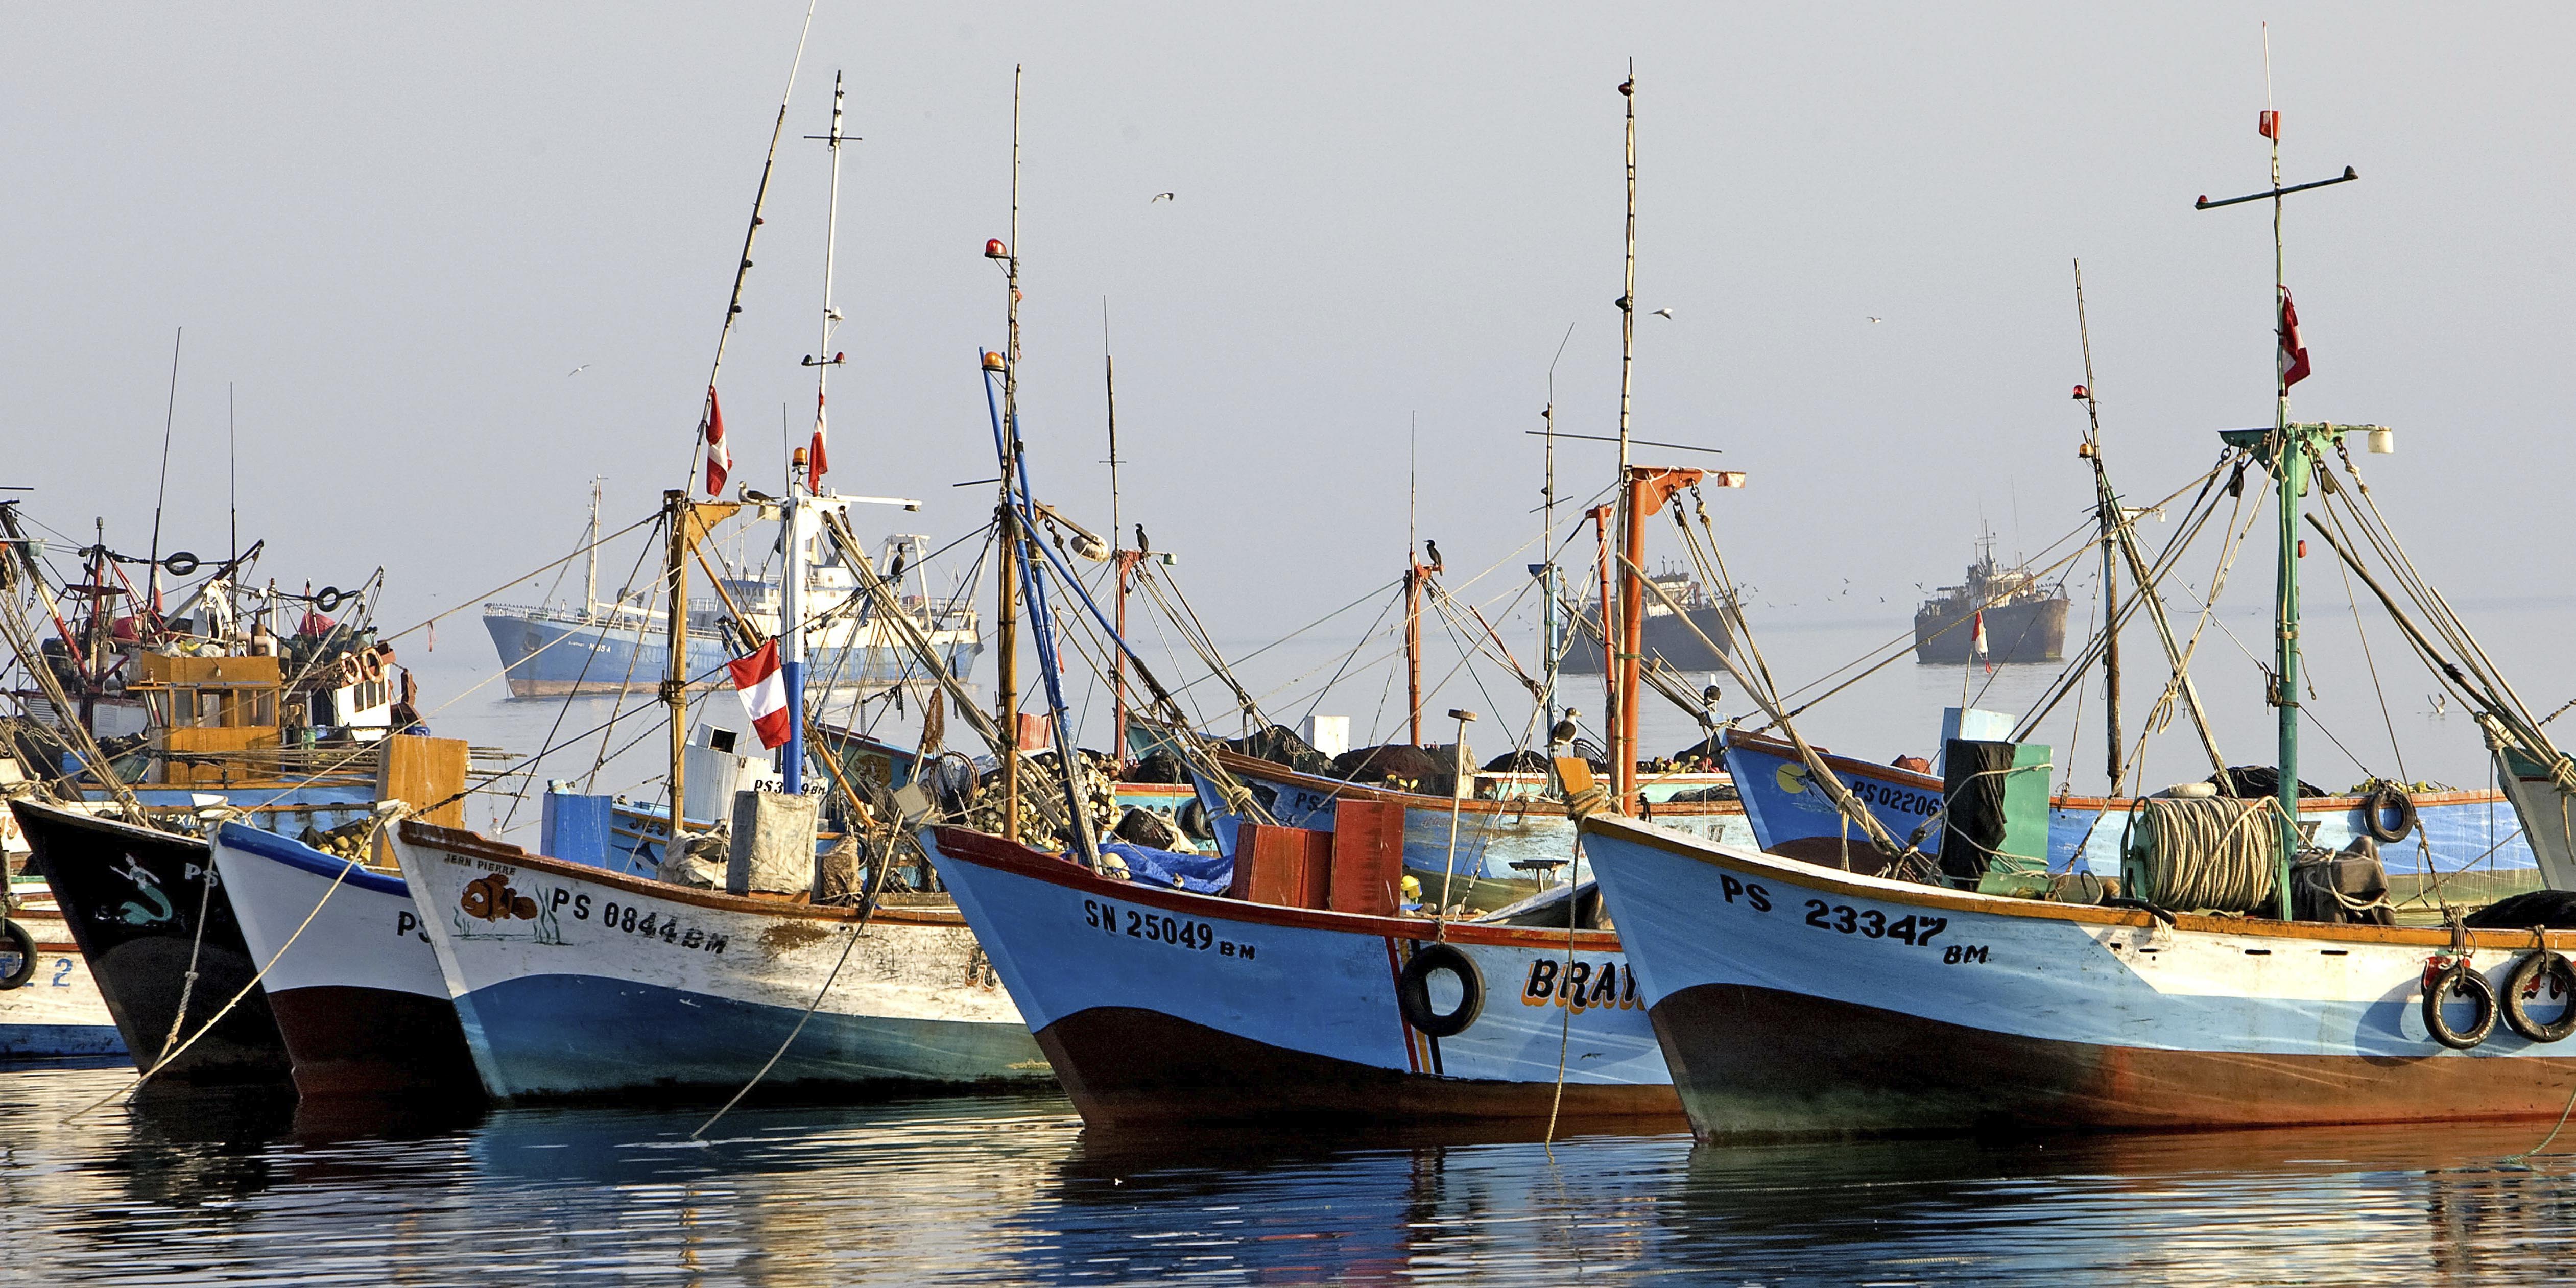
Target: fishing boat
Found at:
x=352, y=984
x=1678, y=635
x=622, y=645
x=2245, y=976
x=1998, y=614
x=1159, y=1006
x=50, y=1007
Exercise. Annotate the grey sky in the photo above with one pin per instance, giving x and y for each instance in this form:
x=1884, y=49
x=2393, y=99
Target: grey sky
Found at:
x=397, y=230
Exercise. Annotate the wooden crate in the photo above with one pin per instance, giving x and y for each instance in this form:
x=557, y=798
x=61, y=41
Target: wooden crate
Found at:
x=1286, y=867
x=1368, y=857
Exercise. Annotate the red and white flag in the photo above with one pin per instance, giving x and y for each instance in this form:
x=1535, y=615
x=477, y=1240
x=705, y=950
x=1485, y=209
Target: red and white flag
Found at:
x=2294, y=355
x=1977, y=648
x=719, y=457
x=762, y=686
x=815, y=461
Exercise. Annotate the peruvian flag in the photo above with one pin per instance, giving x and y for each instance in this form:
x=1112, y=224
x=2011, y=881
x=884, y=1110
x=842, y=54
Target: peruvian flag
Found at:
x=762, y=686
x=815, y=461
x=2294, y=355
x=719, y=458
x=1977, y=648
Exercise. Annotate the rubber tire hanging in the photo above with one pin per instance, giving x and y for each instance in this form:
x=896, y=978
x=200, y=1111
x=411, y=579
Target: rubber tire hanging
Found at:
x=2526, y=976
x=2466, y=979
x=2383, y=799
x=15, y=939
x=1413, y=991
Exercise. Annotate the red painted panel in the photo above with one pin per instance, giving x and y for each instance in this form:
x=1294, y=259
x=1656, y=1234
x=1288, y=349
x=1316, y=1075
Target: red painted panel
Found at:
x=1285, y=867
x=1368, y=857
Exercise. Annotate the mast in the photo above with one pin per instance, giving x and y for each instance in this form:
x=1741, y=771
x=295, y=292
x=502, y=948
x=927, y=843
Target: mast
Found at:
x=1009, y=537
x=590, y=546
x=1622, y=726
x=679, y=516
x=2107, y=506
x=801, y=472
x=1412, y=602
x=1551, y=638
x=1122, y=560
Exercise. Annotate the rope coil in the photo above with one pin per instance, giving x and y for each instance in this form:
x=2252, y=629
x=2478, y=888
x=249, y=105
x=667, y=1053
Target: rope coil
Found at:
x=2214, y=852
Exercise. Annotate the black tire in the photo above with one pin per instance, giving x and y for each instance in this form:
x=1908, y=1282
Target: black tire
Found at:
x=1192, y=819
x=2385, y=799
x=329, y=600
x=2525, y=979
x=2466, y=979
x=1413, y=991
x=180, y=564
x=16, y=942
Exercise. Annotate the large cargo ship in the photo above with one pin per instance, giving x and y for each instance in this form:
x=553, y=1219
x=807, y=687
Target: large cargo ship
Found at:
x=622, y=646
x=2024, y=621
x=1666, y=634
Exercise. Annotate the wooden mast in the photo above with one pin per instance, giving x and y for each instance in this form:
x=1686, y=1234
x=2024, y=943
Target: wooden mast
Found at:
x=1627, y=643
x=678, y=515
x=1009, y=535
x=2107, y=507
x=1122, y=561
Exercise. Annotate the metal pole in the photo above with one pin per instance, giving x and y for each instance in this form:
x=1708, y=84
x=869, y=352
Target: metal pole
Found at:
x=1009, y=567
x=2290, y=468
x=2107, y=507
x=1621, y=728
x=680, y=517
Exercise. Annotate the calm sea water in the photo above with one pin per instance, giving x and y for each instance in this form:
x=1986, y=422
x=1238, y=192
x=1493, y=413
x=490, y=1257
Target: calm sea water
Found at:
x=241, y=1191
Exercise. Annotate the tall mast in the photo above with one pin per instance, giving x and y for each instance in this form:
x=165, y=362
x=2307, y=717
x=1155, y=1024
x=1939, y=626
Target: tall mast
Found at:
x=1550, y=642
x=1412, y=595
x=1622, y=725
x=1122, y=560
x=803, y=466
x=1009, y=536
x=2107, y=506
x=590, y=548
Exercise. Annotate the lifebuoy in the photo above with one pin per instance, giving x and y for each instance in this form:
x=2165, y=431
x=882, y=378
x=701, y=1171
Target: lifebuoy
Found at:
x=1413, y=990
x=329, y=600
x=2383, y=799
x=2524, y=983
x=2465, y=978
x=370, y=668
x=180, y=564
x=16, y=942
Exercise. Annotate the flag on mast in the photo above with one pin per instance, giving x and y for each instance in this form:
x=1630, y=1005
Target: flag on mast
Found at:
x=2294, y=355
x=762, y=686
x=719, y=457
x=1978, y=647
x=815, y=461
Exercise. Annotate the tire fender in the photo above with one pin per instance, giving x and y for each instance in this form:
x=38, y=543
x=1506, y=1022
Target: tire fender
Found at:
x=2524, y=981
x=2464, y=978
x=1413, y=990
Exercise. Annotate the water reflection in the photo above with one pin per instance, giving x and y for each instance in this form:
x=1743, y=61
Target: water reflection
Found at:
x=1013, y=1191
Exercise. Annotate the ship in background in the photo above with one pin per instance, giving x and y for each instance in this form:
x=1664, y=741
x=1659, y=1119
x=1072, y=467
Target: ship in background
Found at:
x=1666, y=634
x=2025, y=621
x=621, y=646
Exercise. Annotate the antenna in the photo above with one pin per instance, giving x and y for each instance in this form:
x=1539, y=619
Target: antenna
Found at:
x=1547, y=536
x=2106, y=506
x=232, y=473
x=169, y=417
x=824, y=358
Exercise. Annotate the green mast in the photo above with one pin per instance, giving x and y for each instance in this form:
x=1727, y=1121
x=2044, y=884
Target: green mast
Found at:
x=2286, y=448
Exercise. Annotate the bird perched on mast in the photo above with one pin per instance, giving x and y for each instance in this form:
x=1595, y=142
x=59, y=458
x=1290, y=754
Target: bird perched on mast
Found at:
x=1432, y=548
x=1565, y=730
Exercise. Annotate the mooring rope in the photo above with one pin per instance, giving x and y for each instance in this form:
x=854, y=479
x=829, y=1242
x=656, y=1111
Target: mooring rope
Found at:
x=2211, y=852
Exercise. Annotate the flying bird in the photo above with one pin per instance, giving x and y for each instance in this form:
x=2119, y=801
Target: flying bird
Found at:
x=577, y=371
x=1664, y=313
x=1878, y=319
x=1162, y=196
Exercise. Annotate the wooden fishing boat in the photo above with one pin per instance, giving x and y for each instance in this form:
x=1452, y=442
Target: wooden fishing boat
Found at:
x=1795, y=998
x=161, y=943
x=352, y=981
x=571, y=981
x=1157, y=1006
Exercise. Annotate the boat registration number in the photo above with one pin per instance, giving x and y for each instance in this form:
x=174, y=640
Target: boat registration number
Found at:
x=1157, y=928
x=1918, y=929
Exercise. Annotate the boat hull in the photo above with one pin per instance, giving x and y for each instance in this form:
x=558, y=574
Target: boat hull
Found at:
x=692, y=991
x=352, y=980
x=2015, y=1015
x=2030, y=631
x=132, y=899
x=1233, y=1011
x=546, y=657
x=57, y=1013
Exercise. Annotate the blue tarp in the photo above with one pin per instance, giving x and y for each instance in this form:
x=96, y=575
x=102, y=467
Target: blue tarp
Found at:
x=1196, y=873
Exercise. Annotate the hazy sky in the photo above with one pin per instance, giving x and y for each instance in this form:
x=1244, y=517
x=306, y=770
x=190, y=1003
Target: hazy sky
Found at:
x=396, y=230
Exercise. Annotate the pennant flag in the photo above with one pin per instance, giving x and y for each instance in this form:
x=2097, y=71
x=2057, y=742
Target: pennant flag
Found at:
x=2294, y=355
x=719, y=457
x=815, y=461
x=762, y=686
x=2270, y=124
x=1978, y=647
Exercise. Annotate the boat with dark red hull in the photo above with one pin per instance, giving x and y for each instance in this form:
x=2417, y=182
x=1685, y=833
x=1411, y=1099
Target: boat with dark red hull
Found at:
x=1158, y=1006
x=352, y=979
x=149, y=914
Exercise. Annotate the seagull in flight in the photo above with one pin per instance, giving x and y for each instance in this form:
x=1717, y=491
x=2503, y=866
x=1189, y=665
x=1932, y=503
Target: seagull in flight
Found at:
x=577, y=371
x=1162, y=196
x=1664, y=313
x=1878, y=319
